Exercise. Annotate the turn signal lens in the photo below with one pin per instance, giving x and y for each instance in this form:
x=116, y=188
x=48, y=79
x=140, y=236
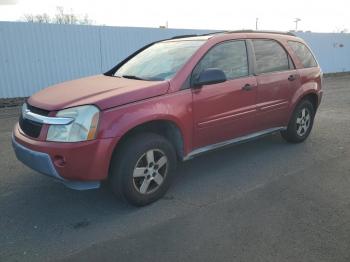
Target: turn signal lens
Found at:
x=93, y=127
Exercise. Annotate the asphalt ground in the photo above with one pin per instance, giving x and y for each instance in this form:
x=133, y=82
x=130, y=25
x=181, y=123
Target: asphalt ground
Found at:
x=265, y=200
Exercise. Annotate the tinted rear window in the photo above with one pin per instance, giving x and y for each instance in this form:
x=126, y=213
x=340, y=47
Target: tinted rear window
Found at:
x=303, y=53
x=270, y=56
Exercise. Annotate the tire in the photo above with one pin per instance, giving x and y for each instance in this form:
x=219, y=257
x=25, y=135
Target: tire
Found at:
x=301, y=122
x=143, y=168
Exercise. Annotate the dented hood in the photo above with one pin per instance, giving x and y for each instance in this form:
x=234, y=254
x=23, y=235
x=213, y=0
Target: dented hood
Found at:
x=103, y=91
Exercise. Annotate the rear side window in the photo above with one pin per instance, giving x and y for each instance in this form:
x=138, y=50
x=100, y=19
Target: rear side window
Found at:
x=303, y=53
x=270, y=56
x=230, y=57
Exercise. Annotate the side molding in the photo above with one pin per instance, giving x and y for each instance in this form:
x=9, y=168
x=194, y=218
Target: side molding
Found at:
x=230, y=142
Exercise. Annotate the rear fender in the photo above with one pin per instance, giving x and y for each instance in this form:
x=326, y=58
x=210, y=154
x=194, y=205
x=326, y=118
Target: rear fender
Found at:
x=304, y=90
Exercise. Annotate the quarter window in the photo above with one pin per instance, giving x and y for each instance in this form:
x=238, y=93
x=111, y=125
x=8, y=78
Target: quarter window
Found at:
x=270, y=56
x=303, y=53
x=230, y=57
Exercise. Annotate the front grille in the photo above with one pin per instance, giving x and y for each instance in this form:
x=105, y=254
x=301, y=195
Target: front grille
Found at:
x=29, y=127
x=38, y=111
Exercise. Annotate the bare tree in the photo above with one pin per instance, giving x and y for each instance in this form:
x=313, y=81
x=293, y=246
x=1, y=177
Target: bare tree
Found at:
x=42, y=18
x=341, y=30
x=65, y=18
x=86, y=20
x=61, y=17
x=28, y=18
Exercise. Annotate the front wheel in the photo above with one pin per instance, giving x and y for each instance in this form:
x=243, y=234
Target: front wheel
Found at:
x=301, y=123
x=142, y=170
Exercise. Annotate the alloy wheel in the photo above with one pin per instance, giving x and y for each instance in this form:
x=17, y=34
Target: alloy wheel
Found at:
x=303, y=121
x=150, y=171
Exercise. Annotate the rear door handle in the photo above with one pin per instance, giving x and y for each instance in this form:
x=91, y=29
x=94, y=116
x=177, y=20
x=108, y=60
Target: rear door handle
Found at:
x=247, y=87
x=291, y=77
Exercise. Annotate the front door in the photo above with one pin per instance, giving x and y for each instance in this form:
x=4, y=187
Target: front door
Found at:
x=225, y=110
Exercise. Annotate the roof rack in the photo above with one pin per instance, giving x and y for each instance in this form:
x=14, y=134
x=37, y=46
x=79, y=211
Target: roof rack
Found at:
x=235, y=31
x=183, y=36
x=194, y=35
x=261, y=31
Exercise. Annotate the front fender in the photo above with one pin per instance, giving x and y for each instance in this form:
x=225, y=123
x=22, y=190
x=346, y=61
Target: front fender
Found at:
x=175, y=107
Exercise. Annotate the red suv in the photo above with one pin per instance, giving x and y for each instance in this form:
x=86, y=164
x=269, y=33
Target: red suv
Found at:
x=171, y=100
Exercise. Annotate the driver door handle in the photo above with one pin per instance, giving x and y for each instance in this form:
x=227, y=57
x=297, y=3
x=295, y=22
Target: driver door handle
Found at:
x=247, y=87
x=291, y=77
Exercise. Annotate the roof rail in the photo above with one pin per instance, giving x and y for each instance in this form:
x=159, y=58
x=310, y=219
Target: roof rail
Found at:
x=183, y=36
x=261, y=31
x=235, y=31
x=193, y=35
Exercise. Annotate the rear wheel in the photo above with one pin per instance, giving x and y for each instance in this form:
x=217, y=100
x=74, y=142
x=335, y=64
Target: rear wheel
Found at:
x=301, y=123
x=142, y=170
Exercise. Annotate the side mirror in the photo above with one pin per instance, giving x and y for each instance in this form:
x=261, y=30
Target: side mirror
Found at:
x=210, y=76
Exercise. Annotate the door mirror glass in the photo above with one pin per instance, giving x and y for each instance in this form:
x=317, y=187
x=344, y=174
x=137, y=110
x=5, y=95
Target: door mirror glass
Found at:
x=210, y=76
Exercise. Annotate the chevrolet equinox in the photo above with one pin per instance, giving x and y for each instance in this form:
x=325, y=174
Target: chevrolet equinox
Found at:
x=169, y=101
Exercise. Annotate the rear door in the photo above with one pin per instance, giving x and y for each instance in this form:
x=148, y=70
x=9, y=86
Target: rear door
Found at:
x=277, y=81
x=224, y=110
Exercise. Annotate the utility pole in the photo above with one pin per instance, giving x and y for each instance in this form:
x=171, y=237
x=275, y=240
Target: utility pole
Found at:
x=296, y=21
x=165, y=26
x=256, y=23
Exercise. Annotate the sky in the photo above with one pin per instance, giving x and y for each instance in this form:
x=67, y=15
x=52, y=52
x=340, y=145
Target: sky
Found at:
x=316, y=16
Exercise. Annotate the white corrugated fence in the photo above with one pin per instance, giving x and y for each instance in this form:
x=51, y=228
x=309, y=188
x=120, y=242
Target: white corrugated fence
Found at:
x=33, y=56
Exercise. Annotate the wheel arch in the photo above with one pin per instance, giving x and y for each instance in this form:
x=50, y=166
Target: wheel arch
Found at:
x=164, y=127
x=306, y=91
x=312, y=97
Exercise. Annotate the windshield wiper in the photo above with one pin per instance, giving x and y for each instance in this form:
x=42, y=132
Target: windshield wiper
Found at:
x=144, y=79
x=133, y=77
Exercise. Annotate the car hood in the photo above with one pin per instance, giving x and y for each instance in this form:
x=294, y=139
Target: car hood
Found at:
x=103, y=91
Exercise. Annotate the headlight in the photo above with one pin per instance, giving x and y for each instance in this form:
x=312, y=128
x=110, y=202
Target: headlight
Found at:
x=84, y=126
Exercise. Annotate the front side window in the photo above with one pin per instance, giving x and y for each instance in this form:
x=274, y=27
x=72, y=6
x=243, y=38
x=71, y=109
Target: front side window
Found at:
x=303, y=53
x=230, y=57
x=160, y=61
x=270, y=56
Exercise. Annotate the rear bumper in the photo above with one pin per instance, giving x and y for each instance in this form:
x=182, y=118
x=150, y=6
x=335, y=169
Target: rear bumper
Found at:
x=80, y=165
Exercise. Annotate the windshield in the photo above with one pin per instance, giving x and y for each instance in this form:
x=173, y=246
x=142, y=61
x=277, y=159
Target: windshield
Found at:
x=160, y=61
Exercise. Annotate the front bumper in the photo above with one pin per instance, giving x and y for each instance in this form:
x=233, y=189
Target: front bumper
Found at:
x=42, y=163
x=85, y=163
x=320, y=96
